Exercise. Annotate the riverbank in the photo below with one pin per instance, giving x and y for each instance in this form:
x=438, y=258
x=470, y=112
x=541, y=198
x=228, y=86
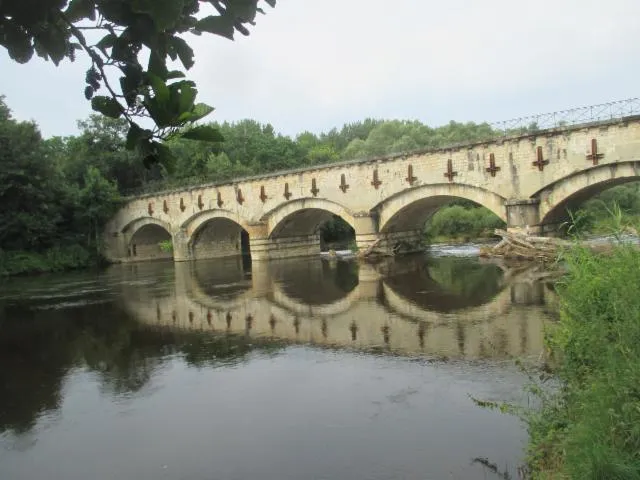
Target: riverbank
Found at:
x=56, y=259
x=589, y=427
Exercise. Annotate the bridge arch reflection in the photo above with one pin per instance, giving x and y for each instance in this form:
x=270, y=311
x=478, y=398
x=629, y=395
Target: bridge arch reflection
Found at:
x=363, y=307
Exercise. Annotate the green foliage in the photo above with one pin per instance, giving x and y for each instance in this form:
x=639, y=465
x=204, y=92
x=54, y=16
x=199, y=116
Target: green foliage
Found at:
x=166, y=246
x=55, y=259
x=126, y=33
x=590, y=428
x=462, y=222
x=605, y=213
x=52, y=207
x=336, y=230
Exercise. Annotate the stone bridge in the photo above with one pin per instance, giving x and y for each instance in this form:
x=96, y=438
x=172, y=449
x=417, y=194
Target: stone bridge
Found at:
x=529, y=181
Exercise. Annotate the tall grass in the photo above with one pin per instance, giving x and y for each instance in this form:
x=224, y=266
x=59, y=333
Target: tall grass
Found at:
x=590, y=427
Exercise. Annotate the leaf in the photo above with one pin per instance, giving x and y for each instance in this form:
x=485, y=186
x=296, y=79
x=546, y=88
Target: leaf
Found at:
x=129, y=85
x=204, y=133
x=157, y=66
x=201, y=110
x=164, y=13
x=135, y=135
x=175, y=74
x=17, y=42
x=183, y=50
x=108, y=106
x=54, y=42
x=218, y=25
x=187, y=97
x=160, y=89
x=107, y=41
x=79, y=9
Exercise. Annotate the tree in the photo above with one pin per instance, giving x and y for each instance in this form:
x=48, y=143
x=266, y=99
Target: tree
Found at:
x=120, y=34
x=101, y=144
x=29, y=186
x=98, y=201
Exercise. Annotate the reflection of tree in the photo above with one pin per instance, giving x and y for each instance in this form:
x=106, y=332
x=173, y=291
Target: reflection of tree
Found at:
x=38, y=348
x=465, y=277
x=444, y=284
x=35, y=355
x=316, y=282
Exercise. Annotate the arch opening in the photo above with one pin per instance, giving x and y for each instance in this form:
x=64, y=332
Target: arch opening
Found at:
x=219, y=238
x=584, y=200
x=330, y=229
x=150, y=242
x=445, y=217
x=593, y=209
x=402, y=218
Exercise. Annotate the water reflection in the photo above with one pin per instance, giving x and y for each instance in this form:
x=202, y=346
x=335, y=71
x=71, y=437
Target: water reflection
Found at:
x=137, y=332
x=447, y=307
x=40, y=347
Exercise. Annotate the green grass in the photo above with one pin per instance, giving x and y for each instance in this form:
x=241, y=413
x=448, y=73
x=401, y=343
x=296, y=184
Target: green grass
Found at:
x=590, y=427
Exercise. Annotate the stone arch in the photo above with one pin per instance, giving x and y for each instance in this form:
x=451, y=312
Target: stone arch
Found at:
x=410, y=209
x=144, y=237
x=570, y=191
x=215, y=234
x=192, y=224
x=301, y=217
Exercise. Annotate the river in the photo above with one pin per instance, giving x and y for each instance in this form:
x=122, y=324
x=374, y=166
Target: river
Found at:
x=298, y=369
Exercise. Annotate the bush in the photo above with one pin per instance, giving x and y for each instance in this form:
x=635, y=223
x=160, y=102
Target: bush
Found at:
x=56, y=259
x=458, y=221
x=591, y=427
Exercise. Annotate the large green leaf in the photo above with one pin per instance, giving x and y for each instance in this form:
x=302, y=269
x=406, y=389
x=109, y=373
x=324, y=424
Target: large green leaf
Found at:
x=205, y=133
x=107, y=41
x=164, y=13
x=183, y=50
x=54, y=41
x=17, y=42
x=160, y=89
x=107, y=106
x=157, y=66
x=218, y=25
x=187, y=97
x=136, y=136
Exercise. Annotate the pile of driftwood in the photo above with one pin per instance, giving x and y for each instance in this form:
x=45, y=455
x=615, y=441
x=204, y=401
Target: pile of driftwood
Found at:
x=519, y=246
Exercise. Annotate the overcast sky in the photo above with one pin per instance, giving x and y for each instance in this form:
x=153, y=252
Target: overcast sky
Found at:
x=316, y=64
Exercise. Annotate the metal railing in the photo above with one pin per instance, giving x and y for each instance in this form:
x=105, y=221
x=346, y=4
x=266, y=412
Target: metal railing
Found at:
x=516, y=126
x=567, y=118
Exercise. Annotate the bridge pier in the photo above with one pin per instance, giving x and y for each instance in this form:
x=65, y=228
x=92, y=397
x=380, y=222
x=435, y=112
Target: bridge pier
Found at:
x=523, y=216
x=284, y=247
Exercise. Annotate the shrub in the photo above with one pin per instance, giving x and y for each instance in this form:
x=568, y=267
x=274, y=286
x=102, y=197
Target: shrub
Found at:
x=591, y=427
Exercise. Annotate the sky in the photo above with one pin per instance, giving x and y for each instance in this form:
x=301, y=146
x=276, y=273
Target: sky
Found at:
x=311, y=65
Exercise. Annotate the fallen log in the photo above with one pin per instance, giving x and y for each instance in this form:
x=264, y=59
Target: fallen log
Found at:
x=518, y=246
x=369, y=250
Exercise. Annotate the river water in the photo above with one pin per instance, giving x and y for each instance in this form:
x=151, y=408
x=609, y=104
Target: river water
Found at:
x=299, y=369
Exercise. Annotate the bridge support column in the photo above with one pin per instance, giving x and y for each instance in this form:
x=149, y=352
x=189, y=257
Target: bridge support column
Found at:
x=181, y=250
x=265, y=248
x=366, y=229
x=284, y=247
x=523, y=216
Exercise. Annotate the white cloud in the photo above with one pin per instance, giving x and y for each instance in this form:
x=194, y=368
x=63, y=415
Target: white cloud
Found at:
x=315, y=64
